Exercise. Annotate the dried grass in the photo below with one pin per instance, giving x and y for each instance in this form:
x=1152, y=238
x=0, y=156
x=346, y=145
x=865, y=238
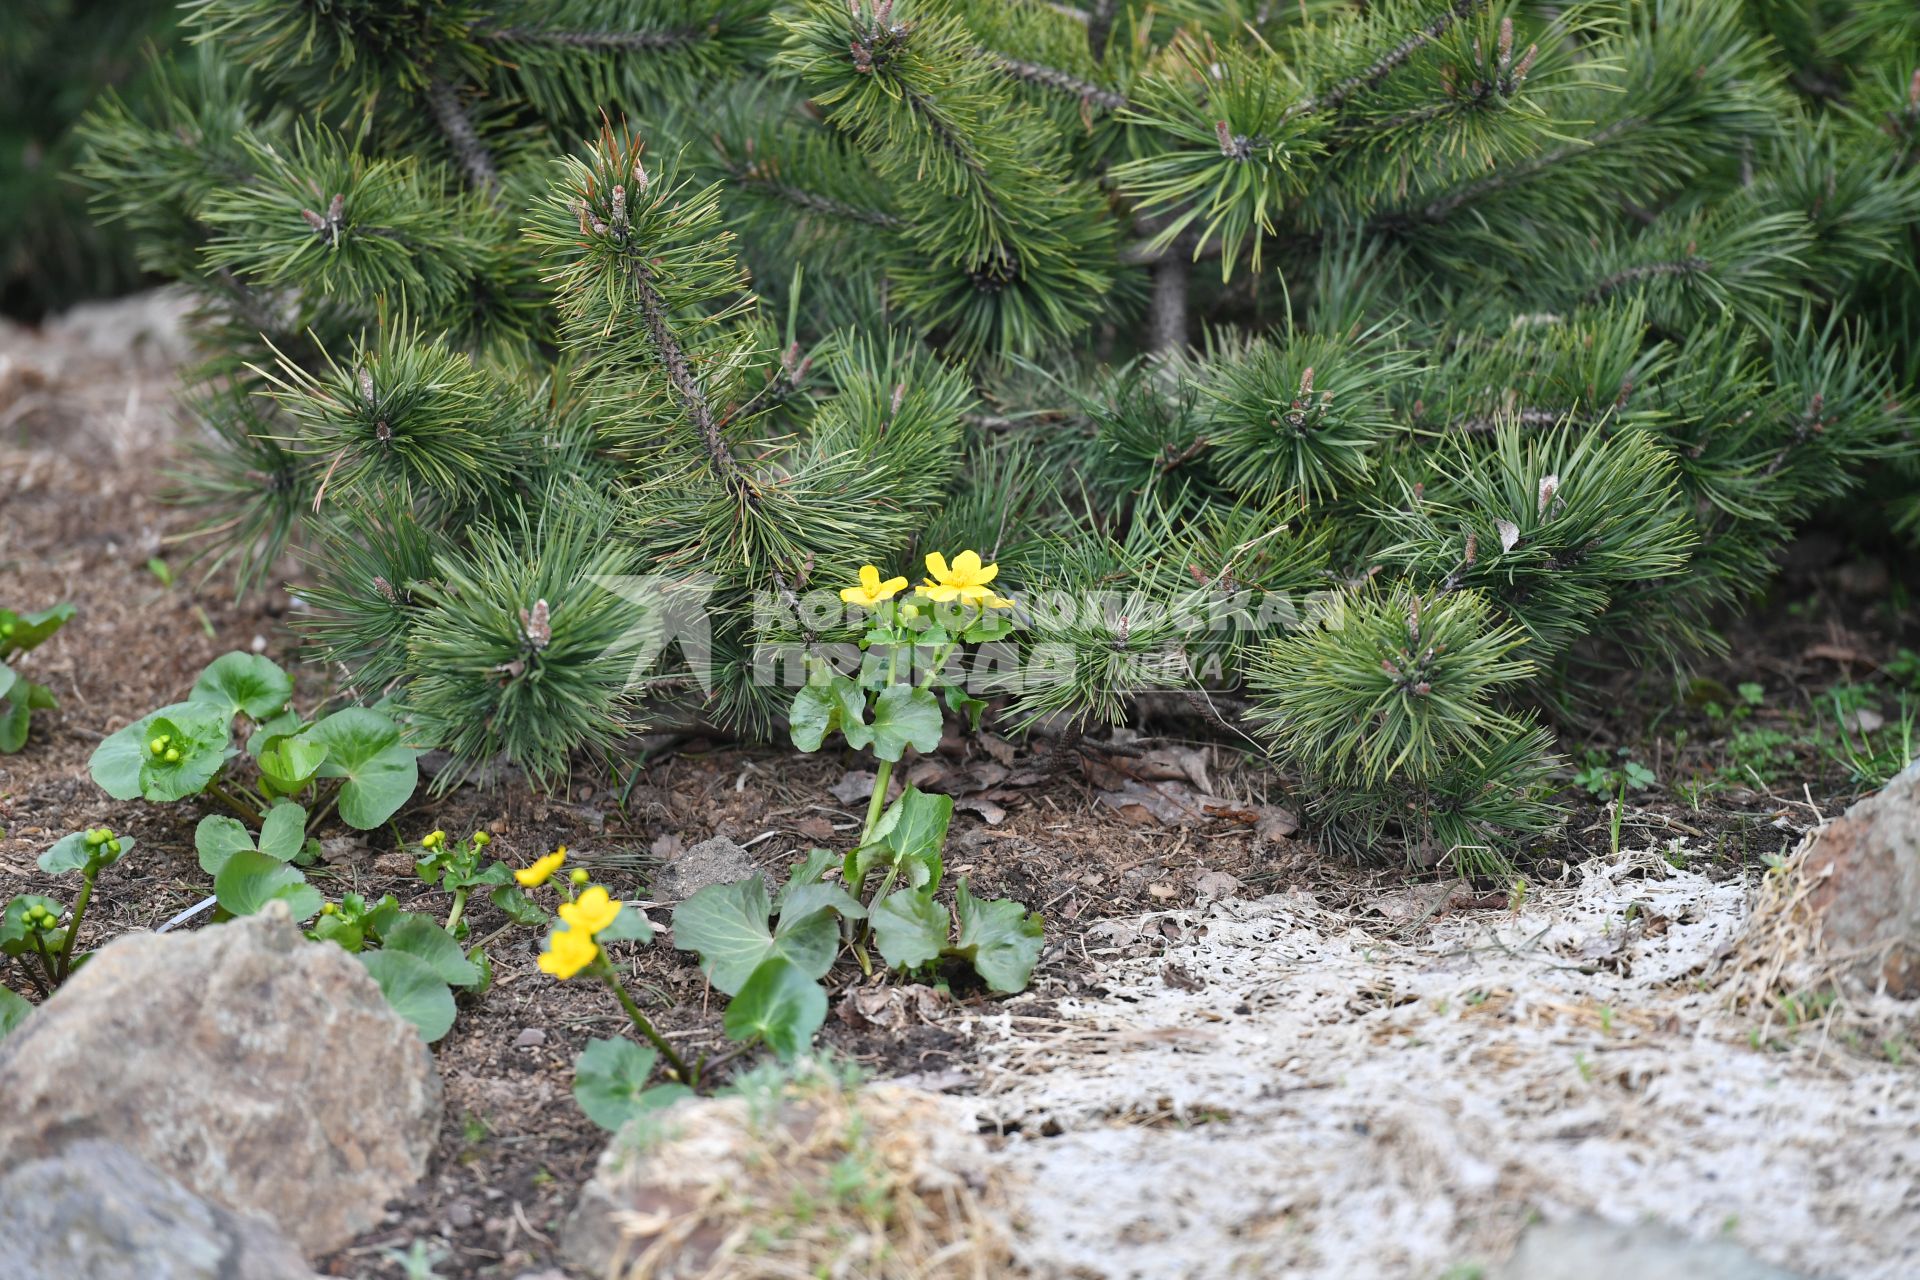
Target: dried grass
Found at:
x=815, y=1181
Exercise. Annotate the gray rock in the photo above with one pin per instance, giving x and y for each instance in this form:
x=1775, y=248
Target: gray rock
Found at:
x=1590, y=1249
x=715, y=861
x=96, y=1211
x=265, y=1072
x=1863, y=886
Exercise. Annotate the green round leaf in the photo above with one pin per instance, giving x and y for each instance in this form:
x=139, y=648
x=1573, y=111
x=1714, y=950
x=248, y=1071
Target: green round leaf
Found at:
x=8, y=677
x=14, y=934
x=218, y=838
x=243, y=682
x=115, y=763
x=779, y=1005
x=727, y=925
x=30, y=630
x=418, y=936
x=910, y=928
x=364, y=747
x=819, y=709
x=283, y=833
x=610, y=1082
x=250, y=880
x=518, y=907
x=290, y=762
x=1001, y=937
x=201, y=738
x=904, y=716
x=13, y=1011
x=630, y=925
x=71, y=853
x=414, y=990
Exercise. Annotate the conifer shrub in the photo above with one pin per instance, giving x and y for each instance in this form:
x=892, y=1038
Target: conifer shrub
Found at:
x=1462, y=347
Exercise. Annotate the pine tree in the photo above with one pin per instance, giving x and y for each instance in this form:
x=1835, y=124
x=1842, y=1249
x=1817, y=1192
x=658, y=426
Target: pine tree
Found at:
x=1484, y=341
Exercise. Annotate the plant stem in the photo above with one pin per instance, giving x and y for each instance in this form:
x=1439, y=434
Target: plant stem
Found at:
x=46, y=960
x=79, y=912
x=883, y=775
x=39, y=983
x=241, y=810
x=320, y=814
x=605, y=972
x=459, y=908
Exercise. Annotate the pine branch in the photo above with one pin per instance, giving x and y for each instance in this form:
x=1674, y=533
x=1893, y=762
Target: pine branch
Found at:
x=620, y=41
x=1057, y=80
x=754, y=178
x=679, y=371
x=1689, y=266
x=473, y=155
x=1394, y=58
x=1167, y=322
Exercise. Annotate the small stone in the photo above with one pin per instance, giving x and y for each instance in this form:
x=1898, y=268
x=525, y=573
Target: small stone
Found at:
x=715, y=861
x=265, y=1072
x=99, y=1212
x=258, y=644
x=1217, y=884
x=530, y=1038
x=460, y=1215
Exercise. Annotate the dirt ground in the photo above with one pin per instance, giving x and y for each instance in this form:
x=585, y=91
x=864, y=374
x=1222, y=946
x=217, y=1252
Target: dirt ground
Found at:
x=1213, y=995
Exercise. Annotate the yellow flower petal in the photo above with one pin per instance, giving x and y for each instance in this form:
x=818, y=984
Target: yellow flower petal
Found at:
x=869, y=578
x=591, y=912
x=966, y=564
x=542, y=869
x=892, y=587
x=856, y=595
x=987, y=575
x=937, y=566
x=568, y=952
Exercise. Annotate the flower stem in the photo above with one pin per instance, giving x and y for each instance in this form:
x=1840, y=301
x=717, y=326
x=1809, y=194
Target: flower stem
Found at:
x=459, y=909
x=605, y=972
x=883, y=775
x=79, y=912
x=46, y=959
x=245, y=812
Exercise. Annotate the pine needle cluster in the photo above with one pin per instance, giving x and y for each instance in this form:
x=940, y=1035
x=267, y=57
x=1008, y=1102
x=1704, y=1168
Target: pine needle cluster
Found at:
x=1445, y=348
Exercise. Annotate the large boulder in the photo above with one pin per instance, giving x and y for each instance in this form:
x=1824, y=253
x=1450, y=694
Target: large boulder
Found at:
x=792, y=1179
x=96, y=1211
x=1862, y=877
x=267, y=1073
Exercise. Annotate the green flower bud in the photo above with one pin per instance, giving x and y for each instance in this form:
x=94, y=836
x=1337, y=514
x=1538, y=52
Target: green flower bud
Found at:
x=579, y=875
x=329, y=909
x=113, y=847
x=96, y=838
x=157, y=746
x=481, y=839
x=172, y=756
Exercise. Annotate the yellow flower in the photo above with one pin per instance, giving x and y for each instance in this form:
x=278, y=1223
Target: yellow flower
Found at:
x=966, y=581
x=872, y=591
x=591, y=912
x=568, y=952
x=538, y=873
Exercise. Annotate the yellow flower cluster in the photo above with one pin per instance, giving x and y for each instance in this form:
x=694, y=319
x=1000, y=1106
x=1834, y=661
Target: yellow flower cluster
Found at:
x=964, y=580
x=573, y=948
